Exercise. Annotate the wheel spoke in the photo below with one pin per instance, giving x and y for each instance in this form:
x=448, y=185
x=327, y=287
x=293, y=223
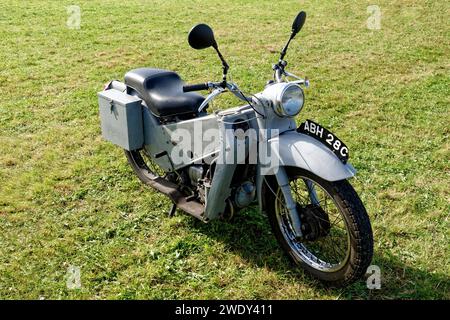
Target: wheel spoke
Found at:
x=152, y=166
x=329, y=250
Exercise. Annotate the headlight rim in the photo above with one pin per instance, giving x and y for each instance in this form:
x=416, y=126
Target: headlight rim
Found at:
x=279, y=109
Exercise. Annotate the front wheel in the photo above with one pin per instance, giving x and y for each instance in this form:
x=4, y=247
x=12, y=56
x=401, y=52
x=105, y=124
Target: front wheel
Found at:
x=337, y=244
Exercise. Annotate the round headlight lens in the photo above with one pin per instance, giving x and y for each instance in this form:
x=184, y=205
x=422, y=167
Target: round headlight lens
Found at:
x=291, y=101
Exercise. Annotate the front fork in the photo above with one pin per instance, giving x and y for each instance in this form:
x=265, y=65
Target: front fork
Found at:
x=291, y=205
x=312, y=193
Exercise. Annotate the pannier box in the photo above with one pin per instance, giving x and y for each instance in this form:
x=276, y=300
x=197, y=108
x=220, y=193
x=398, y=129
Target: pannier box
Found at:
x=121, y=119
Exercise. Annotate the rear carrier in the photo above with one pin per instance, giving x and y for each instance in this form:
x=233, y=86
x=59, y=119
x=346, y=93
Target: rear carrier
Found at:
x=121, y=117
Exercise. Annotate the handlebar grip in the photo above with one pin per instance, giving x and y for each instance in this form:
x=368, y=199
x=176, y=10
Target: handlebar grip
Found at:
x=195, y=87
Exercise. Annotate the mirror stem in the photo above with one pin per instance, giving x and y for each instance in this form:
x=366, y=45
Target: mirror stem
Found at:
x=224, y=64
x=283, y=52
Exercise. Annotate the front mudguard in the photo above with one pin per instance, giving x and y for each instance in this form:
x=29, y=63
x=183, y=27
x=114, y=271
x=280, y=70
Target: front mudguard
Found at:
x=293, y=149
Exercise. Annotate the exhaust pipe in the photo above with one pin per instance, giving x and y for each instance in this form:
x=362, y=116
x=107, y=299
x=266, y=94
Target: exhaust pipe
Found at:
x=170, y=189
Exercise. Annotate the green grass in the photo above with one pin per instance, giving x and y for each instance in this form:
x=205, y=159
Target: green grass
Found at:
x=69, y=198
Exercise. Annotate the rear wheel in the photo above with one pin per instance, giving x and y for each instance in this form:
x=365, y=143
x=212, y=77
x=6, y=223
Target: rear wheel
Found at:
x=144, y=166
x=337, y=244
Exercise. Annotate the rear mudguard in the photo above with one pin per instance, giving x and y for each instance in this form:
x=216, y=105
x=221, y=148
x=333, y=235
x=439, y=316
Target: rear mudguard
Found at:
x=295, y=149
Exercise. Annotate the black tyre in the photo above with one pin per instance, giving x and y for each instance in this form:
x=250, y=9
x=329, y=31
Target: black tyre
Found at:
x=337, y=246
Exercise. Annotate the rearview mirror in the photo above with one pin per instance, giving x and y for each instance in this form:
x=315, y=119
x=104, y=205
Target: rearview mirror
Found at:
x=296, y=27
x=201, y=36
x=298, y=23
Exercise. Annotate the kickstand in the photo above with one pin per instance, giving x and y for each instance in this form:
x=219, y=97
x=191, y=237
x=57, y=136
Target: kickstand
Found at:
x=172, y=210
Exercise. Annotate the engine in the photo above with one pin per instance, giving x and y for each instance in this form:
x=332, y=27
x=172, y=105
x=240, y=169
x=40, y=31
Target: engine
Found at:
x=198, y=177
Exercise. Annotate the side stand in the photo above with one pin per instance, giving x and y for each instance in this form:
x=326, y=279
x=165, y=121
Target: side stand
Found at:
x=172, y=210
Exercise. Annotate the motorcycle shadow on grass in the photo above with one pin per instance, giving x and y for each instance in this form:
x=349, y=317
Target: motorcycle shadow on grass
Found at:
x=249, y=235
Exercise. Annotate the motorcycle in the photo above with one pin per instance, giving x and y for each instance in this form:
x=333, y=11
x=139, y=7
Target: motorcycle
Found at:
x=213, y=164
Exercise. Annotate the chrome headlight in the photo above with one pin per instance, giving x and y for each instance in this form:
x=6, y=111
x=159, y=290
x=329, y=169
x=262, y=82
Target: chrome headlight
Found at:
x=287, y=98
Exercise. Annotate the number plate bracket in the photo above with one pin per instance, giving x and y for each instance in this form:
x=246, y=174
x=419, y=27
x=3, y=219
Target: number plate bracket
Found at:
x=330, y=140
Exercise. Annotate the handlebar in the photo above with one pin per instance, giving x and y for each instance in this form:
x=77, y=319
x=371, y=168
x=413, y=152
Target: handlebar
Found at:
x=195, y=87
x=279, y=72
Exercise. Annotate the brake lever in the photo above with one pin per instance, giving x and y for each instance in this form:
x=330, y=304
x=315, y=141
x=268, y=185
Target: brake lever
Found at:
x=210, y=97
x=299, y=80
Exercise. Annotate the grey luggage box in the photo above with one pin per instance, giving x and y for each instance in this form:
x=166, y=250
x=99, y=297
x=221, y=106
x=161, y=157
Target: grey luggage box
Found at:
x=121, y=119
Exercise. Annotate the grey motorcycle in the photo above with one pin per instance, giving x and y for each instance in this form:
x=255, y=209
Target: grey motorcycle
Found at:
x=212, y=163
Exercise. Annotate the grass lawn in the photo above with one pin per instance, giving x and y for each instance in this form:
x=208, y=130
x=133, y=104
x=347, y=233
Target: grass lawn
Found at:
x=68, y=198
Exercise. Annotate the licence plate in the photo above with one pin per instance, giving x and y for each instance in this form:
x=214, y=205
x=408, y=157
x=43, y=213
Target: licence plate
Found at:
x=332, y=142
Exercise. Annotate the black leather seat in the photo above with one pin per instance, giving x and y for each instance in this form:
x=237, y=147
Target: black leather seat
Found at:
x=162, y=91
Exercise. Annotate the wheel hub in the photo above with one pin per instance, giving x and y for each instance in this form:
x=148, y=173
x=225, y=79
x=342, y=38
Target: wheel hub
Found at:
x=315, y=222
